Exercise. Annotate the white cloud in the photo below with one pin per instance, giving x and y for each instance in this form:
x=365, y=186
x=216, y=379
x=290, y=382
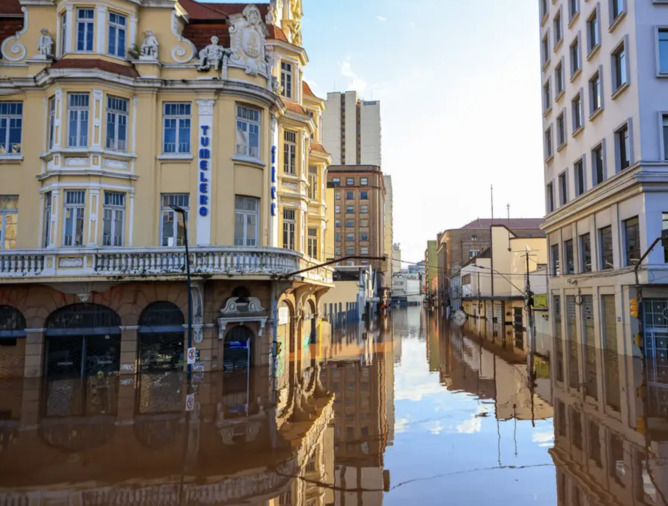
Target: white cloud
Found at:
x=436, y=427
x=470, y=426
x=381, y=18
x=355, y=82
x=543, y=438
x=401, y=425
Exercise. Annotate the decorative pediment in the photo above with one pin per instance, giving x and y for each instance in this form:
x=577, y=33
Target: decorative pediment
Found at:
x=242, y=306
x=247, y=40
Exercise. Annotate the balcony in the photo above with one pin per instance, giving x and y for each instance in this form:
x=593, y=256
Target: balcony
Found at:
x=222, y=262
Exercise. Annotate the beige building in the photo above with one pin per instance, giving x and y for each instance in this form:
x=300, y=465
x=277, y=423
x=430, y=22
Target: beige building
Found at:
x=130, y=122
x=352, y=132
x=388, y=241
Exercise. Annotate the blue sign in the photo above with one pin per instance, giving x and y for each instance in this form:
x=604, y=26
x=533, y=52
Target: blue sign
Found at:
x=273, y=180
x=204, y=160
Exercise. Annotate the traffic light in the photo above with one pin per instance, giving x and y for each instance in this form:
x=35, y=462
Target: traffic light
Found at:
x=278, y=348
x=633, y=304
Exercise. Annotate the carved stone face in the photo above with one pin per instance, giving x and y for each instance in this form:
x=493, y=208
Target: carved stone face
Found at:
x=214, y=40
x=45, y=31
x=253, y=17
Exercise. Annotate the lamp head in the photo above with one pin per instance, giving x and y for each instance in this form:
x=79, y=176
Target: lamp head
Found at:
x=178, y=209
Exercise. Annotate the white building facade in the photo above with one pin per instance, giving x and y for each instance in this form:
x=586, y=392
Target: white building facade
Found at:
x=604, y=71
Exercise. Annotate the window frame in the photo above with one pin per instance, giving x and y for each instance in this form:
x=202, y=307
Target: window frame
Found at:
x=582, y=252
x=115, y=117
x=579, y=176
x=569, y=257
x=48, y=213
x=602, y=253
x=9, y=118
x=595, y=92
x=76, y=220
x=628, y=253
x=575, y=56
x=114, y=210
x=312, y=242
x=620, y=65
x=562, y=182
x=245, y=215
x=290, y=153
x=658, y=31
x=559, y=80
x=287, y=79
x=595, y=166
x=5, y=214
x=289, y=229
x=114, y=29
x=562, y=134
x=594, y=30
x=577, y=113
x=555, y=265
x=248, y=124
x=82, y=114
x=88, y=32
x=183, y=201
x=623, y=148
x=179, y=118
x=550, y=197
x=547, y=142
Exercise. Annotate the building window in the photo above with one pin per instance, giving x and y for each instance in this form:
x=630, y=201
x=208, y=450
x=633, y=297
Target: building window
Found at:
x=364, y=236
x=619, y=77
x=559, y=79
x=595, y=93
x=598, y=170
x=545, y=49
x=547, y=101
x=77, y=126
x=364, y=250
x=593, y=36
x=561, y=130
x=550, y=198
x=616, y=9
x=623, y=147
x=350, y=181
x=543, y=8
x=563, y=189
x=313, y=242
x=52, y=122
x=117, y=24
x=350, y=250
x=664, y=218
x=337, y=196
x=290, y=153
x=573, y=8
x=337, y=209
x=350, y=223
x=364, y=222
x=336, y=181
x=576, y=63
x=63, y=34
x=47, y=220
x=554, y=257
x=289, y=228
x=585, y=253
x=337, y=223
x=605, y=241
x=350, y=236
x=350, y=209
x=11, y=122
x=337, y=251
x=286, y=79
x=248, y=132
x=350, y=195
x=312, y=182
x=337, y=237
x=548, y=142
x=117, y=124
x=176, y=121
x=631, y=228
x=663, y=50
x=85, y=30
x=364, y=195
x=172, y=230
x=74, y=218
x=113, y=219
x=364, y=209
x=364, y=181
x=9, y=218
x=558, y=31
x=246, y=219
x=569, y=260
x=577, y=112
x=579, y=173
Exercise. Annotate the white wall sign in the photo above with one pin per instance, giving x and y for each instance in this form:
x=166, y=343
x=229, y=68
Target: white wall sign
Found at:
x=204, y=171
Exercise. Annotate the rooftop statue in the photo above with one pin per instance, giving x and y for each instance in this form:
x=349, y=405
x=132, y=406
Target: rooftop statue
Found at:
x=212, y=55
x=45, y=44
x=149, y=48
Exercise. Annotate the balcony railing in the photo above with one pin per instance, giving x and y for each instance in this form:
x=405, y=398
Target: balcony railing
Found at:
x=154, y=262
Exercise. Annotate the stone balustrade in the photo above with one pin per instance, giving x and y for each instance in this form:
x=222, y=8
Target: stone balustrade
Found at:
x=101, y=263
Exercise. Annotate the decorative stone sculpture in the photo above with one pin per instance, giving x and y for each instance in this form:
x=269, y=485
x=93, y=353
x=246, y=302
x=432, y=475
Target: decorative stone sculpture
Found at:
x=45, y=44
x=212, y=56
x=247, y=40
x=149, y=48
x=269, y=18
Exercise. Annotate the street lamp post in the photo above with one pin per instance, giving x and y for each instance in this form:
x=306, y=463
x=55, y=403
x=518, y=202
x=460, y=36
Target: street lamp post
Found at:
x=184, y=216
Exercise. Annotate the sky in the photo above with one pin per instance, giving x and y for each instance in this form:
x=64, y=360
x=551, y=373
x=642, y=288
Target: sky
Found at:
x=459, y=85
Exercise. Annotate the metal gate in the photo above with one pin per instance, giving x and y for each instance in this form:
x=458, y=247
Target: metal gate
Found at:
x=573, y=365
x=655, y=316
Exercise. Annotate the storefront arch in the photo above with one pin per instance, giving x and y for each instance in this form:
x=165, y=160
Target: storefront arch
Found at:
x=237, y=365
x=161, y=337
x=82, y=340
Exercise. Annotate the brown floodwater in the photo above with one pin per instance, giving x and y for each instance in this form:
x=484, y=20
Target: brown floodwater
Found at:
x=413, y=410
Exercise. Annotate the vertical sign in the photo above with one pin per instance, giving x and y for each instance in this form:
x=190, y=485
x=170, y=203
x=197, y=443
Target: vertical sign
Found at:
x=190, y=402
x=204, y=170
x=273, y=180
x=192, y=356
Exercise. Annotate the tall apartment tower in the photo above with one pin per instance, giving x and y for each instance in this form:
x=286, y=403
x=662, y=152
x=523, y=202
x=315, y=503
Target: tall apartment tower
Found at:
x=604, y=66
x=388, y=240
x=352, y=129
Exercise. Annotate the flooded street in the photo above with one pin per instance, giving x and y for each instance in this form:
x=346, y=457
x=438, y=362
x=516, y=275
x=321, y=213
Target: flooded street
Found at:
x=416, y=411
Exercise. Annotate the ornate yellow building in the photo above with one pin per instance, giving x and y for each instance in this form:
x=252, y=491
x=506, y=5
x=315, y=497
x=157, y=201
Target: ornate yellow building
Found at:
x=118, y=118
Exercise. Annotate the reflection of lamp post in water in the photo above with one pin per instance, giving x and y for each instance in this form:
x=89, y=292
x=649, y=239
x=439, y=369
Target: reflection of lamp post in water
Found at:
x=184, y=216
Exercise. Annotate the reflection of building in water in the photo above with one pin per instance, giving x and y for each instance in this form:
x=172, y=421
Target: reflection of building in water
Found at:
x=610, y=446
x=128, y=441
x=363, y=387
x=489, y=371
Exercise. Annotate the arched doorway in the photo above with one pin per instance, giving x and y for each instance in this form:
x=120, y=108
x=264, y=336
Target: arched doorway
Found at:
x=12, y=328
x=161, y=338
x=82, y=340
x=237, y=364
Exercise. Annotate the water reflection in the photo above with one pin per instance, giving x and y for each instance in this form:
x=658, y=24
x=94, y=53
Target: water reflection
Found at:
x=395, y=412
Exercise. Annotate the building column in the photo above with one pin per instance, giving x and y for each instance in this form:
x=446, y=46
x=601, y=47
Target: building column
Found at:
x=100, y=28
x=129, y=345
x=34, y=357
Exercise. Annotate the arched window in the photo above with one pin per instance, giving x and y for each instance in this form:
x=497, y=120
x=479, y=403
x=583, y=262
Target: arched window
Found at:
x=161, y=337
x=83, y=340
x=242, y=293
x=12, y=323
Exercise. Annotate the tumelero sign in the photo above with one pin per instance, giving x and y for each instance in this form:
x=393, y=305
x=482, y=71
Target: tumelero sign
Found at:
x=204, y=171
x=273, y=180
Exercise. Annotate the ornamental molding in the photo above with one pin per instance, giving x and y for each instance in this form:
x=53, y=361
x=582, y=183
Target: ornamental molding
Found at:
x=180, y=53
x=247, y=42
x=12, y=50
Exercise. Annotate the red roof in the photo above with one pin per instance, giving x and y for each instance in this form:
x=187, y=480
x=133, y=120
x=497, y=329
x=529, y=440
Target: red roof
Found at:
x=316, y=146
x=208, y=11
x=306, y=89
x=93, y=63
x=200, y=34
x=274, y=32
x=294, y=107
x=10, y=7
